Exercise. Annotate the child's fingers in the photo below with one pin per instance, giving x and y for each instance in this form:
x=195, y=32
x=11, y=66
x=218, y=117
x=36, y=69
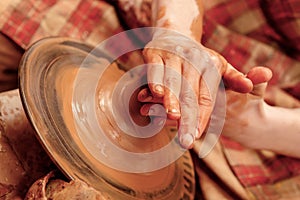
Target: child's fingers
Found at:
x=259, y=75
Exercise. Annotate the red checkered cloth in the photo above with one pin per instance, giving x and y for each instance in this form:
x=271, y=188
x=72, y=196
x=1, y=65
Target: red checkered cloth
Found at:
x=253, y=33
x=89, y=21
x=263, y=173
x=250, y=33
x=247, y=33
x=28, y=21
x=260, y=33
x=274, y=22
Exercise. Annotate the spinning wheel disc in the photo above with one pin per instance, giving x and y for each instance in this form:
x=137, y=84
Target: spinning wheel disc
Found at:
x=48, y=74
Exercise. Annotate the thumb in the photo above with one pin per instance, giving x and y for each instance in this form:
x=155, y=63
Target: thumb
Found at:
x=259, y=89
x=259, y=77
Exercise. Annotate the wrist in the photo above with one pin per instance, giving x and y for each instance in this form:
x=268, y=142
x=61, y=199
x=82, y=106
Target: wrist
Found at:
x=283, y=131
x=255, y=132
x=184, y=16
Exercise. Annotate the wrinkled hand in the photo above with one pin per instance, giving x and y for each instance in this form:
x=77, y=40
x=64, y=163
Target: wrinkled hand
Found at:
x=184, y=76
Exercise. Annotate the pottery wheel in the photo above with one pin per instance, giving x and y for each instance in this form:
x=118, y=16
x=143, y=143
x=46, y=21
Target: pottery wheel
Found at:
x=48, y=77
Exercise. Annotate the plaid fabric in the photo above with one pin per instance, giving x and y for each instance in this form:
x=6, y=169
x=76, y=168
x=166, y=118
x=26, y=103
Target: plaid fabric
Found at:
x=28, y=21
x=242, y=32
x=274, y=22
x=252, y=33
x=262, y=173
x=285, y=19
x=89, y=21
x=247, y=33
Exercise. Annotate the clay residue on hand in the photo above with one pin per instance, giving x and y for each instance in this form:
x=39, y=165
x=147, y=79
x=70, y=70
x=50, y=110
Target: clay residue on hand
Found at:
x=182, y=16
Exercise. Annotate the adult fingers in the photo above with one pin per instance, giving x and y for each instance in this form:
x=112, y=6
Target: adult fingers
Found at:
x=155, y=71
x=232, y=78
x=158, y=115
x=145, y=96
x=172, y=82
x=236, y=80
x=189, y=106
x=206, y=104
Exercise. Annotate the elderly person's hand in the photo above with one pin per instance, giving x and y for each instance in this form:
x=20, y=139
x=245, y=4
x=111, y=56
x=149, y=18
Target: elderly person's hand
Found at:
x=187, y=86
x=182, y=74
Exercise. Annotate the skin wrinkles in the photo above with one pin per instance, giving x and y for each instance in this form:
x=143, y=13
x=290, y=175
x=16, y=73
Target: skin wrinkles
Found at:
x=190, y=17
x=185, y=18
x=161, y=12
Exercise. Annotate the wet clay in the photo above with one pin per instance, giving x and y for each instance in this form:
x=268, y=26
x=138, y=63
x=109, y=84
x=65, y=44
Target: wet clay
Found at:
x=159, y=182
x=57, y=114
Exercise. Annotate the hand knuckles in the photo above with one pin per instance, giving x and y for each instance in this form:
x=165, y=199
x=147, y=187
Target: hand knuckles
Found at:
x=171, y=80
x=205, y=100
x=188, y=98
x=147, y=52
x=218, y=60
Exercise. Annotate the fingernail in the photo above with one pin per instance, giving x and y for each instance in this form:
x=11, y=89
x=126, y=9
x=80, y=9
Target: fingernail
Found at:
x=173, y=111
x=187, y=140
x=159, y=89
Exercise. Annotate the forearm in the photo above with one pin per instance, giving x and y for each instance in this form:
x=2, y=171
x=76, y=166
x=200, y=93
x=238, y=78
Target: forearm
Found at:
x=282, y=131
x=184, y=16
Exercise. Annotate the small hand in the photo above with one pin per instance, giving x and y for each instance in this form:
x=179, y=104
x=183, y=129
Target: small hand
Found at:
x=245, y=113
